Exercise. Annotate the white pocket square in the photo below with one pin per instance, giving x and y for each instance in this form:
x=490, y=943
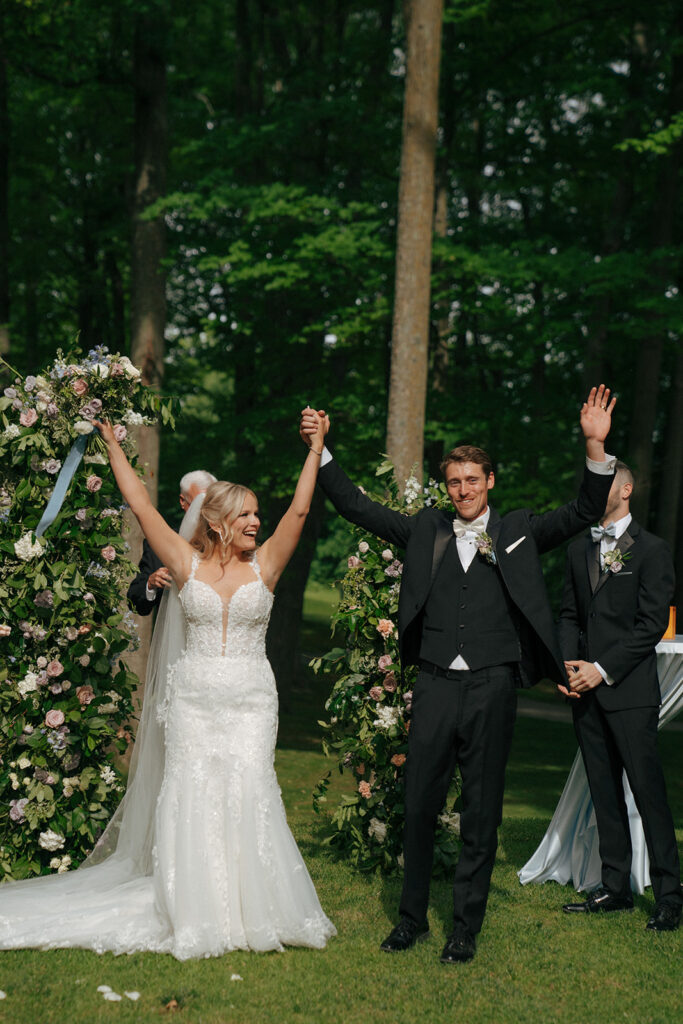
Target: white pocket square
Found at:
x=513, y=546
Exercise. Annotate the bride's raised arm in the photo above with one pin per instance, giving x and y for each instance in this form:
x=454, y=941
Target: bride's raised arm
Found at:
x=173, y=551
x=279, y=548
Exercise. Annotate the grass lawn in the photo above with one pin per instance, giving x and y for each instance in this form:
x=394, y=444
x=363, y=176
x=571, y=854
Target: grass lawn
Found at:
x=533, y=963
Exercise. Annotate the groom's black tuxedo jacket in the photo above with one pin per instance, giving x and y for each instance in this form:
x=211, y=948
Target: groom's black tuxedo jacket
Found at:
x=518, y=540
x=617, y=619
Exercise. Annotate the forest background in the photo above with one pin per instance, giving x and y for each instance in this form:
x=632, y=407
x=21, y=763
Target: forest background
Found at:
x=213, y=188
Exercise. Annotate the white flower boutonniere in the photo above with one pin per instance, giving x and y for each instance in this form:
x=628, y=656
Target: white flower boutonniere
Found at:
x=615, y=560
x=485, y=546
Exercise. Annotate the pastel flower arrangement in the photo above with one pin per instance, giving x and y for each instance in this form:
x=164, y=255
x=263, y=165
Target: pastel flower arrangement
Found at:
x=65, y=693
x=370, y=704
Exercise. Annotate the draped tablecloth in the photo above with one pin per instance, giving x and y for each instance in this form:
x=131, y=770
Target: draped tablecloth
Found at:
x=569, y=851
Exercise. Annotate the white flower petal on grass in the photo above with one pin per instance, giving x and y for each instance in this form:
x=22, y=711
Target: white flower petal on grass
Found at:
x=104, y=988
x=236, y=977
x=132, y=995
x=113, y=997
x=3, y=995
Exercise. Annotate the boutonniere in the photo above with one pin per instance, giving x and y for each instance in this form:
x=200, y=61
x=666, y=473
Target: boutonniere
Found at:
x=485, y=546
x=615, y=560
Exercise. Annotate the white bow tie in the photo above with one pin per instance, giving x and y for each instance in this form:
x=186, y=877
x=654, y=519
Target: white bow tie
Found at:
x=461, y=528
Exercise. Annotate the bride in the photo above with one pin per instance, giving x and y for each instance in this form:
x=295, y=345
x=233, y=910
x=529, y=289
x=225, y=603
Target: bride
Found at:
x=198, y=860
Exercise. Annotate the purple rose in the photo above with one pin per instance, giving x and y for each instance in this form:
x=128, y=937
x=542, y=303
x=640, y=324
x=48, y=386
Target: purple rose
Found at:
x=16, y=809
x=44, y=599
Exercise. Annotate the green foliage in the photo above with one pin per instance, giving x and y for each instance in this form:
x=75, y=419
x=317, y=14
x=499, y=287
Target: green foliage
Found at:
x=658, y=142
x=65, y=693
x=371, y=701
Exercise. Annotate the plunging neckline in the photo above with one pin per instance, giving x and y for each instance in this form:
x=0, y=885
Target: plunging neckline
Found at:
x=225, y=605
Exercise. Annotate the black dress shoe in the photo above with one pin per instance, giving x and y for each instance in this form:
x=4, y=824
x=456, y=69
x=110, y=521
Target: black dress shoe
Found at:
x=460, y=947
x=405, y=934
x=665, y=918
x=600, y=902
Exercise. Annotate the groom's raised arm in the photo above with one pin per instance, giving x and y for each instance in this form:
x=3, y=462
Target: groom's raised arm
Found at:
x=348, y=499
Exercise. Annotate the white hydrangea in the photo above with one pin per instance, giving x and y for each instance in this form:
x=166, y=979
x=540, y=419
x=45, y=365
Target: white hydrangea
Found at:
x=26, y=549
x=133, y=419
x=377, y=830
x=412, y=491
x=70, y=784
x=11, y=431
x=387, y=717
x=108, y=775
x=51, y=840
x=28, y=684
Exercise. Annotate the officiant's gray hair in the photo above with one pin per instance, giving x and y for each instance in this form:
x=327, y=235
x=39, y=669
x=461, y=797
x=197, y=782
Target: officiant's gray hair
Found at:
x=199, y=478
x=222, y=504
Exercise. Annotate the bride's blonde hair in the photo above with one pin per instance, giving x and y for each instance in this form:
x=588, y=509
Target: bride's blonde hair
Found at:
x=222, y=504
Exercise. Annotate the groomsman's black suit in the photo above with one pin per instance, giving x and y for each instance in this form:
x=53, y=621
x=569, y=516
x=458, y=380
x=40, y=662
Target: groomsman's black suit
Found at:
x=497, y=617
x=616, y=619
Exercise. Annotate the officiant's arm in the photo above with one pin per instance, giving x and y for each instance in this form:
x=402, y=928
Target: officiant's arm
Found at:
x=348, y=499
x=276, y=552
x=173, y=551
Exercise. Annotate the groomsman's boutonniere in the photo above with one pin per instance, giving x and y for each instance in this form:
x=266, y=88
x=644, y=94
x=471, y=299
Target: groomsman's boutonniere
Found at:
x=614, y=560
x=485, y=546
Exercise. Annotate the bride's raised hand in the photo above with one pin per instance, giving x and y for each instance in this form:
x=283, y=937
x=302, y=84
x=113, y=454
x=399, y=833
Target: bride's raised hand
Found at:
x=106, y=431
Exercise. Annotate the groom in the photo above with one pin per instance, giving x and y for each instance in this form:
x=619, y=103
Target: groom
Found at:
x=474, y=615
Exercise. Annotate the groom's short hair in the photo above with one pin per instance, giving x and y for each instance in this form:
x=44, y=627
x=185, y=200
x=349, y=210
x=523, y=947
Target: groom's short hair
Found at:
x=468, y=453
x=623, y=471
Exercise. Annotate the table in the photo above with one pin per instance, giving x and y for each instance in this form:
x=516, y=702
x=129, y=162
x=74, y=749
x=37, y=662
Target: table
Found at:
x=569, y=851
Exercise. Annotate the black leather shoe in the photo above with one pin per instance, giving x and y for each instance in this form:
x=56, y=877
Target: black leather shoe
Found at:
x=405, y=934
x=460, y=947
x=665, y=918
x=600, y=902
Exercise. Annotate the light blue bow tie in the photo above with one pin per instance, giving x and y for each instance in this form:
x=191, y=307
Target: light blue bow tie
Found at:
x=598, y=532
x=461, y=528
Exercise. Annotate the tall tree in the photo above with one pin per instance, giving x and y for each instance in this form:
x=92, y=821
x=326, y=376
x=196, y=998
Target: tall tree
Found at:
x=410, y=331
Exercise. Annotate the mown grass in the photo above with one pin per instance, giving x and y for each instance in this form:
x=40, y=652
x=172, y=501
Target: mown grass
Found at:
x=533, y=964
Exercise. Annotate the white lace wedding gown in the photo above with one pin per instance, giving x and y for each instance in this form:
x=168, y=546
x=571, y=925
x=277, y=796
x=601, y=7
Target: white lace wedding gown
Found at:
x=224, y=871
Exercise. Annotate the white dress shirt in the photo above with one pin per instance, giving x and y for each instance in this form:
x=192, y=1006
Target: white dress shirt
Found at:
x=609, y=544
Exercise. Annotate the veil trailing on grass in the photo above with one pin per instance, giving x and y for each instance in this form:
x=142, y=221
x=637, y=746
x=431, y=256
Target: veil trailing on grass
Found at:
x=79, y=907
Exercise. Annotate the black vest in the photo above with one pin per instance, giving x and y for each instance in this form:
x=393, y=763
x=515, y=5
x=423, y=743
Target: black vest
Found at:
x=469, y=613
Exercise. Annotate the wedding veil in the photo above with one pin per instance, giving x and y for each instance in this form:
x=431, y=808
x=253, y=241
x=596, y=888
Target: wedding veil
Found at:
x=130, y=832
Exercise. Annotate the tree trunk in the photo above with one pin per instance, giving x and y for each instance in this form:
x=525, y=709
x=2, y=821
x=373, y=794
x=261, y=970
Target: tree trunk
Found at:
x=410, y=331
x=148, y=293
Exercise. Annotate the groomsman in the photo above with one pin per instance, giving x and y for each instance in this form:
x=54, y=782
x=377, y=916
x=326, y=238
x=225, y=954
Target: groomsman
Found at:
x=474, y=615
x=615, y=608
x=145, y=589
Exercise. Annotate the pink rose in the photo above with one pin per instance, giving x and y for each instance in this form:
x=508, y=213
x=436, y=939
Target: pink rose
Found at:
x=390, y=682
x=363, y=547
x=85, y=695
x=353, y=562
x=85, y=628
x=88, y=596
x=55, y=668
x=93, y=483
x=84, y=660
x=116, y=370
x=398, y=759
x=388, y=555
x=376, y=692
x=108, y=553
x=5, y=630
x=54, y=718
x=385, y=627
x=364, y=789
x=120, y=432
x=28, y=417
x=615, y=567
x=79, y=386
x=383, y=662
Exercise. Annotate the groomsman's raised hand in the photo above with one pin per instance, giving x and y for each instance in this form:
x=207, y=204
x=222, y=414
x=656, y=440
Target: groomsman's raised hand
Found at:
x=596, y=420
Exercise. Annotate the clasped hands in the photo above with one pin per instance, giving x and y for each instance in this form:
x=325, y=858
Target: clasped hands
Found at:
x=582, y=676
x=310, y=424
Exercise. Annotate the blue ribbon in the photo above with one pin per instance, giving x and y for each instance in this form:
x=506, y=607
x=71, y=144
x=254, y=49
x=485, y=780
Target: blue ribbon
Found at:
x=62, y=484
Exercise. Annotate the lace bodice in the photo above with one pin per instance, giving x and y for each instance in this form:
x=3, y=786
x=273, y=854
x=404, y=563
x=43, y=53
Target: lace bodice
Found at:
x=233, y=629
